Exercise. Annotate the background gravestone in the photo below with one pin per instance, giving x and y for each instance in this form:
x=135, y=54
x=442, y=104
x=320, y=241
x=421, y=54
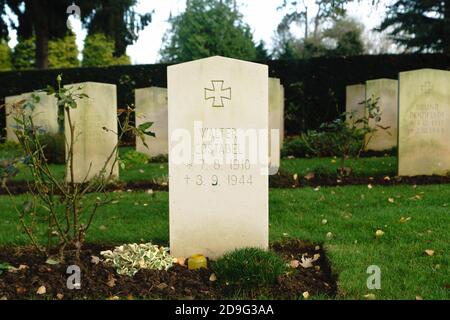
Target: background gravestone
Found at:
x=151, y=106
x=275, y=119
x=93, y=145
x=424, y=130
x=387, y=92
x=354, y=98
x=45, y=114
x=216, y=208
x=282, y=97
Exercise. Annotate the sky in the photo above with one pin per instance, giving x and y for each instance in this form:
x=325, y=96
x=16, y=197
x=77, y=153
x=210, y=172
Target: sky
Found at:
x=261, y=15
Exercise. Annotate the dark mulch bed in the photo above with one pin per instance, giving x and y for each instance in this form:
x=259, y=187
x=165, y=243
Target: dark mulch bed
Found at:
x=279, y=180
x=102, y=282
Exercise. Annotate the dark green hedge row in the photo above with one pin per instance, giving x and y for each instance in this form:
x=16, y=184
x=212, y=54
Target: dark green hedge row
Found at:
x=315, y=88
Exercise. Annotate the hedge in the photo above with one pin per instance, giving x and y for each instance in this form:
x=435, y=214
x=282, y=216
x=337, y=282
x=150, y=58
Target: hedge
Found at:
x=315, y=88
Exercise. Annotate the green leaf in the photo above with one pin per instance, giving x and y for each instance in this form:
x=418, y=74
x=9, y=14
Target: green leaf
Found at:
x=145, y=126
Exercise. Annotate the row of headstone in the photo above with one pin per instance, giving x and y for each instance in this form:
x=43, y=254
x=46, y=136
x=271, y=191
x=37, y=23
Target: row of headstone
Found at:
x=94, y=121
x=415, y=117
x=98, y=112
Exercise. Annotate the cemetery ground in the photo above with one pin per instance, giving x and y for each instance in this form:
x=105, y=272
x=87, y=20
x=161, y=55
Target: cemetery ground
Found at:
x=411, y=246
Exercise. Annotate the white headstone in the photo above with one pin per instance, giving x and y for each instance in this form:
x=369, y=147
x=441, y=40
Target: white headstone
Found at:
x=354, y=102
x=45, y=113
x=275, y=119
x=424, y=124
x=94, y=146
x=151, y=106
x=217, y=205
x=386, y=90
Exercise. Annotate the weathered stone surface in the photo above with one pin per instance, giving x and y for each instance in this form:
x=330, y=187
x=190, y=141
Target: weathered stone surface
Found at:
x=424, y=124
x=275, y=123
x=218, y=197
x=45, y=113
x=94, y=146
x=354, y=102
x=386, y=90
x=151, y=106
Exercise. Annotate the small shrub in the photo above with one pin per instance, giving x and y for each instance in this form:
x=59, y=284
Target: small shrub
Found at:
x=130, y=258
x=295, y=147
x=54, y=147
x=249, y=268
x=10, y=149
x=133, y=158
x=162, y=158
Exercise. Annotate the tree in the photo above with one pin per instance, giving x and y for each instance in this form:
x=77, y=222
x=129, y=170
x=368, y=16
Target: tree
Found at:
x=99, y=51
x=207, y=28
x=347, y=34
x=262, y=54
x=5, y=56
x=117, y=19
x=24, y=54
x=45, y=20
x=419, y=25
x=343, y=38
x=63, y=53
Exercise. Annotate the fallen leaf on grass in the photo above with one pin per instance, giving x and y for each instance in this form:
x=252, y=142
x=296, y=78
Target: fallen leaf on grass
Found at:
x=391, y=200
x=379, y=233
x=309, y=176
x=41, y=290
x=370, y=296
x=404, y=220
x=59, y=296
x=429, y=252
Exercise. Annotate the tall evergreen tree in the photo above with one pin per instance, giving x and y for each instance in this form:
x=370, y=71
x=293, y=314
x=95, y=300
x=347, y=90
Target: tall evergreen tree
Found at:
x=45, y=20
x=419, y=25
x=207, y=28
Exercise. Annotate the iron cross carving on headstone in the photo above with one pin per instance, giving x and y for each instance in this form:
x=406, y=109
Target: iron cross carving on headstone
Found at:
x=217, y=93
x=426, y=87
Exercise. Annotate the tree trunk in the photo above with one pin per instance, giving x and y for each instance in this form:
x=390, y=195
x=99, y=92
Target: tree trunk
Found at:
x=41, y=28
x=446, y=35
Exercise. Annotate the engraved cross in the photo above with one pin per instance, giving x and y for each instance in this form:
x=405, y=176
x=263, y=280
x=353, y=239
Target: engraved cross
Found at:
x=217, y=93
x=426, y=87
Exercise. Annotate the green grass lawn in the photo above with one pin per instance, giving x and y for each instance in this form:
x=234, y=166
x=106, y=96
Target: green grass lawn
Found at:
x=353, y=215
x=365, y=167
